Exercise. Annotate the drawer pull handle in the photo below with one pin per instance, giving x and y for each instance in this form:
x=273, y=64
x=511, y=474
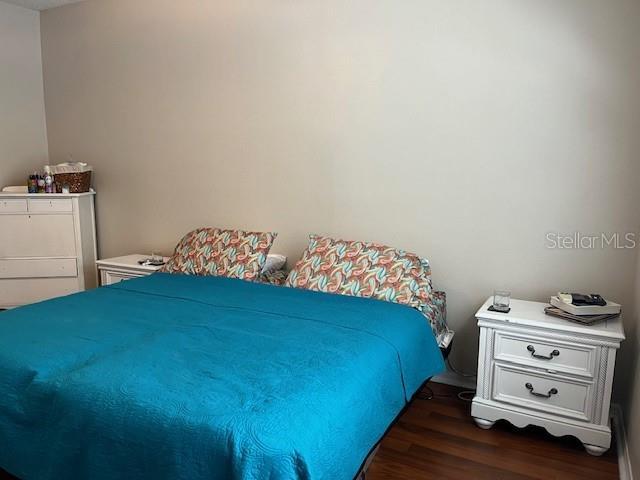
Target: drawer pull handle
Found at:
x=529, y=387
x=555, y=353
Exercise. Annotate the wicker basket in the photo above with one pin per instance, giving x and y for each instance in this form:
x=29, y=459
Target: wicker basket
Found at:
x=78, y=182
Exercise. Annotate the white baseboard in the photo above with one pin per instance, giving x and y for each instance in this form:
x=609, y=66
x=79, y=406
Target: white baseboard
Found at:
x=624, y=459
x=452, y=378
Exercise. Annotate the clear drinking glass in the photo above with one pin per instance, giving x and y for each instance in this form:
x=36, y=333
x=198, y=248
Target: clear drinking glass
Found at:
x=501, y=300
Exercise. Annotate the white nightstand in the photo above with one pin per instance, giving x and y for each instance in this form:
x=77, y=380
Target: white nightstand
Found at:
x=541, y=370
x=117, y=269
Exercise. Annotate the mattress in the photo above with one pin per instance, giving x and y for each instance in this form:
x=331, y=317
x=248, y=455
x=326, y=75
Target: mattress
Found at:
x=185, y=377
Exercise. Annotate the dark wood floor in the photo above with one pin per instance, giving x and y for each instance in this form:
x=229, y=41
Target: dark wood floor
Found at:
x=437, y=439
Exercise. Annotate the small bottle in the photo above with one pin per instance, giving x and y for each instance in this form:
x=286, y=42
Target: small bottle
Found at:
x=48, y=180
x=40, y=183
x=33, y=183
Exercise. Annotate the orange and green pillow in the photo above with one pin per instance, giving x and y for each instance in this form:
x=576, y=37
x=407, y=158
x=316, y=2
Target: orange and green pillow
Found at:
x=215, y=251
x=363, y=269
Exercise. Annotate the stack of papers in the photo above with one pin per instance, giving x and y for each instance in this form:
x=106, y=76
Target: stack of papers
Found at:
x=583, y=319
x=610, y=308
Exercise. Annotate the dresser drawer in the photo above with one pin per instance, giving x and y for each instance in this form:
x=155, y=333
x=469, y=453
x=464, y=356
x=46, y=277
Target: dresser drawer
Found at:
x=37, y=236
x=38, y=268
x=21, y=291
x=545, y=393
x=50, y=205
x=13, y=205
x=548, y=353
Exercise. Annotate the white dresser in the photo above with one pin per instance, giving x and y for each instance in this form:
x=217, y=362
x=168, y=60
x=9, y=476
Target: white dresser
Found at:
x=541, y=370
x=47, y=246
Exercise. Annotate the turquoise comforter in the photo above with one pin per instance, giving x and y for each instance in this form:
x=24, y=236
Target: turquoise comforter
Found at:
x=183, y=377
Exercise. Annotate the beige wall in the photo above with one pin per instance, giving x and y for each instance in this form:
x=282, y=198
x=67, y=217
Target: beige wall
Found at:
x=464, y=131
x=23, y=138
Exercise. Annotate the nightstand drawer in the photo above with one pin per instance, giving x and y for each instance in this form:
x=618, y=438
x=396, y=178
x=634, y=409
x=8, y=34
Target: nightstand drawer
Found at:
x=548, y=353
x=545, y=393
x=109, y=278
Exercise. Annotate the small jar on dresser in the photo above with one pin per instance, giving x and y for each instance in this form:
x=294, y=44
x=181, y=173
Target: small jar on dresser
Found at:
x=116, y=269
x=535, y=369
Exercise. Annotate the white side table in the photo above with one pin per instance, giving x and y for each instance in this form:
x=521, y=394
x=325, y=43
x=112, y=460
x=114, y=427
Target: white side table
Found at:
x=541, y=370
x=117, y=269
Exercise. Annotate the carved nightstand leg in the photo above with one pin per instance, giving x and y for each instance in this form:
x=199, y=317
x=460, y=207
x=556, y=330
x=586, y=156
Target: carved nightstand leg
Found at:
x=485, y=424
x=594, y=450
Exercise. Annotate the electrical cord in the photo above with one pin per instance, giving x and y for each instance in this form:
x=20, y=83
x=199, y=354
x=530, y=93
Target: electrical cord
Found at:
x=466, y=395
x=427, y=393
x=459, y=372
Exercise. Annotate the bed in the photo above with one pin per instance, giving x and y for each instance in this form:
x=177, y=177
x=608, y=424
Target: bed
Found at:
x=193, y=377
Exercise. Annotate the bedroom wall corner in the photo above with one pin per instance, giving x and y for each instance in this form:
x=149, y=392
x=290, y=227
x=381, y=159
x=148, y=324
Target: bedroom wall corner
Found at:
x=631, y=380
x=23, y=135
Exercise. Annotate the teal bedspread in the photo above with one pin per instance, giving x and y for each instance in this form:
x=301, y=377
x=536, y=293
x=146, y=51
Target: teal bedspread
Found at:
x=182, y=377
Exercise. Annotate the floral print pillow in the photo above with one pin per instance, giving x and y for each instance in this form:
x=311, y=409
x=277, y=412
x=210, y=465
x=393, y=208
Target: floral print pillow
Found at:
x=228, y=253
x=363, y=269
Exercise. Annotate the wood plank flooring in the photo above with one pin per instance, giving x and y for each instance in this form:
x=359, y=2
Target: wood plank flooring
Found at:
x=437, y=439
